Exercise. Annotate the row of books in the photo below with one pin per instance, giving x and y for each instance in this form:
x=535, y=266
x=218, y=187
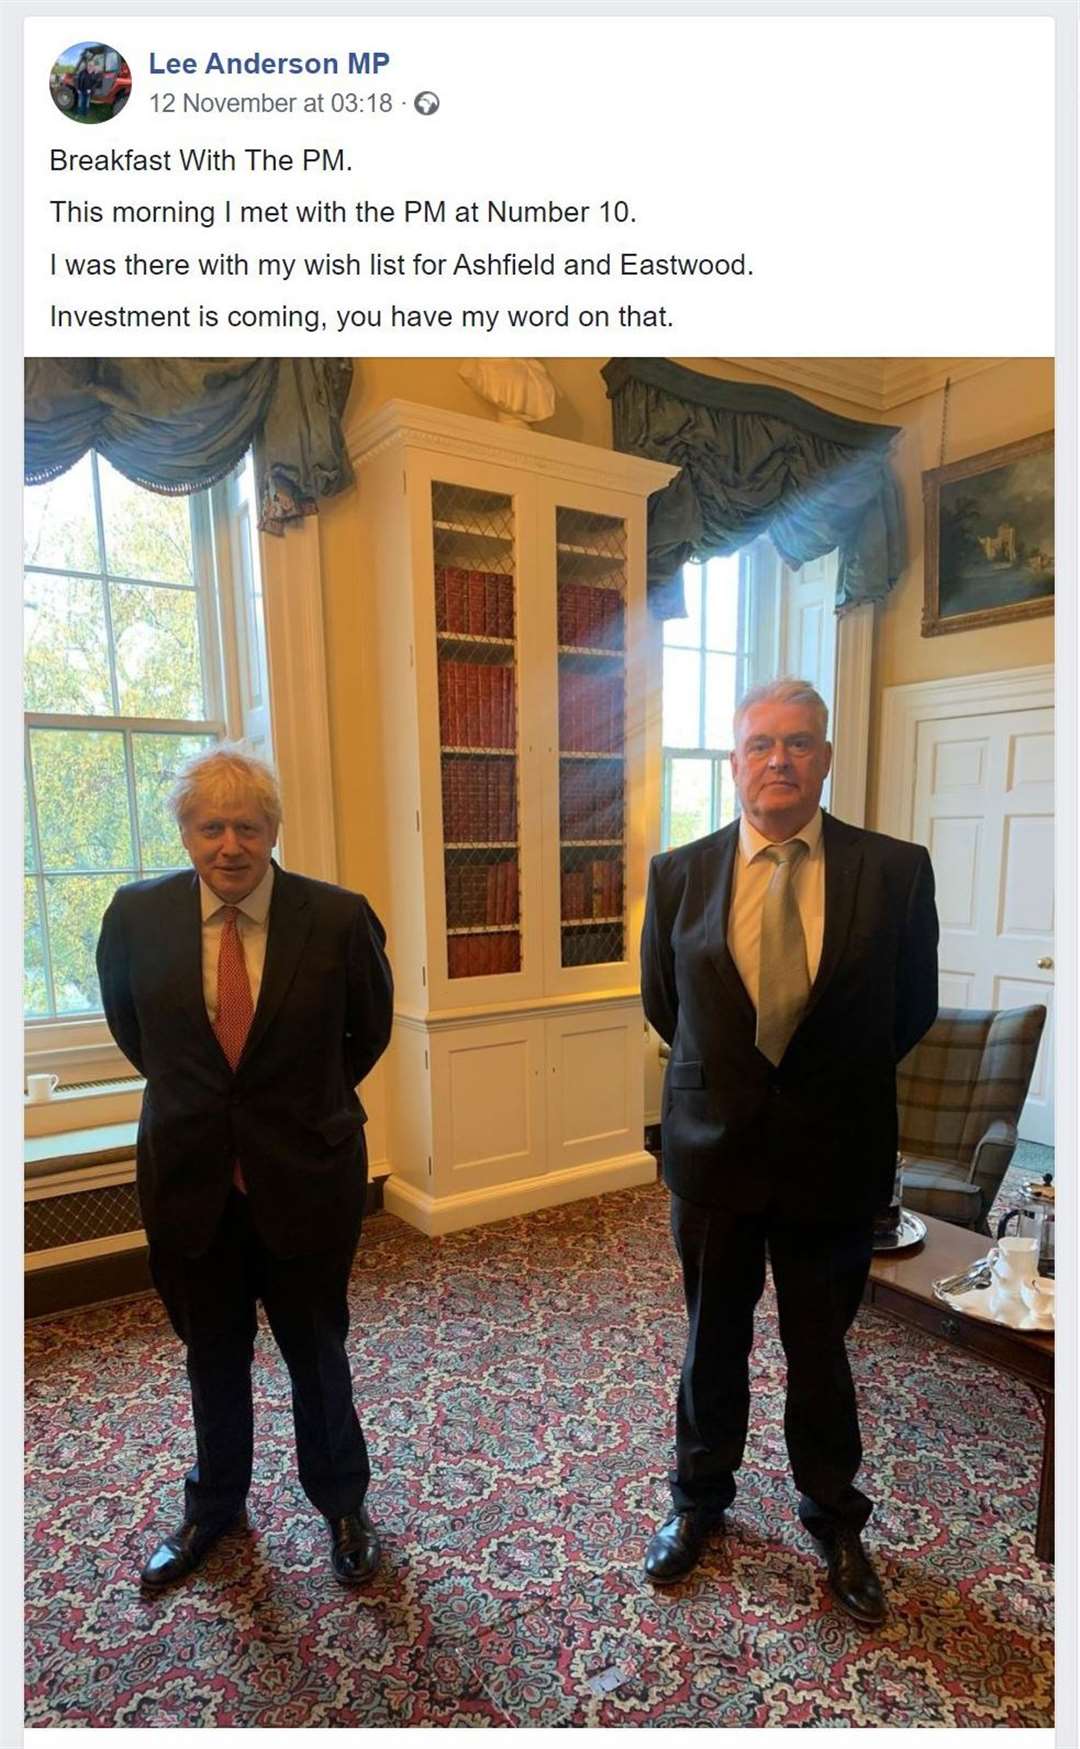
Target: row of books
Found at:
x=590, y=800
x=478, y=956
x=481, y=893
x=478, y=602
x=592, y=889
x=479, y=798
x=476, y=704
x=591, y=617
x=590, y=712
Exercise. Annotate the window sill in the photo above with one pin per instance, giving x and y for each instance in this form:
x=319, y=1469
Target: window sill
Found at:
x=86, y=1107
x=79, y=1151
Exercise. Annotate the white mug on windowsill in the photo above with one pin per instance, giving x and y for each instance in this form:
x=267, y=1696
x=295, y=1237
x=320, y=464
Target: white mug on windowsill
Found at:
x=41, y=1087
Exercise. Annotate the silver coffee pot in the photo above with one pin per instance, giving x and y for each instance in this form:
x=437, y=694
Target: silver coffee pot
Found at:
x=1034, y=1218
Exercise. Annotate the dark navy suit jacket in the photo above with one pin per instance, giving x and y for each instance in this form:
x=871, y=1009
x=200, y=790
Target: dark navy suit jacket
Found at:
x=814, y=1138
x=289, y=1114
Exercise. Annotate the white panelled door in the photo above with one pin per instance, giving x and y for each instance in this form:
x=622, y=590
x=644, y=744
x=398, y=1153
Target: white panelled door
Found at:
x=984, y=807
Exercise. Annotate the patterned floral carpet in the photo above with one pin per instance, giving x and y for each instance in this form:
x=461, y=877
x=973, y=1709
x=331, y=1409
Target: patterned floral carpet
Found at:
x=518, y=1387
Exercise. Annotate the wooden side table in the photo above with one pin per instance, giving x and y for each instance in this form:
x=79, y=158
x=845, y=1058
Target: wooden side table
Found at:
x=902, y=1286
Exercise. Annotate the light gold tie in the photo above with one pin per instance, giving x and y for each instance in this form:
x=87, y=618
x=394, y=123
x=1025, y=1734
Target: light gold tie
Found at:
x=783, y=976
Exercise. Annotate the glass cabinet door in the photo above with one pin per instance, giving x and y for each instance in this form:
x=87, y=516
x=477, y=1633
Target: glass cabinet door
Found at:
x=476, y=637
x=591, y=582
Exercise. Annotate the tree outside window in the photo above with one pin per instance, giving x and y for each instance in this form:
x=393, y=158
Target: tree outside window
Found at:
x=123, y=683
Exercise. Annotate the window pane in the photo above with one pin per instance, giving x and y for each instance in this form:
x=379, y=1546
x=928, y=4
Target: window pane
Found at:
x=81, y=792
x=66, y=646
x=59, y=525
x=156, y=637
x=682, y=701
x=146, y=534
x=690, y=811
x=29, y=859
x=722, y=603
x=729, y=800
x=687, y=632
x=719, y=700
x=254, y=591
x=157, y=758
x=35, y=987
x=74, y=906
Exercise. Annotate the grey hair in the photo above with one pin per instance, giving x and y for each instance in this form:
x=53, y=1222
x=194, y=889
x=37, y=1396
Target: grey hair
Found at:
x=786, y=690
x=224, y=773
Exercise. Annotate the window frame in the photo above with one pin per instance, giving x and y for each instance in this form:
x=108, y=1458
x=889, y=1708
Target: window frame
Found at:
x=80, y=1048
x=747, y=638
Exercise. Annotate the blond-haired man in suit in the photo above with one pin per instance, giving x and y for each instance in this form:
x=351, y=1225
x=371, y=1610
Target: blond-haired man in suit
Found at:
x=253, y=1000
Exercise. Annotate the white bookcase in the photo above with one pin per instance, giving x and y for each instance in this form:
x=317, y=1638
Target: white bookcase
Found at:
x=508, y=607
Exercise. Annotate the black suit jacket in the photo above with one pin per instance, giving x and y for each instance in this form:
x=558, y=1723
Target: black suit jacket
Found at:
x=814, y=1138
x=289, y=1114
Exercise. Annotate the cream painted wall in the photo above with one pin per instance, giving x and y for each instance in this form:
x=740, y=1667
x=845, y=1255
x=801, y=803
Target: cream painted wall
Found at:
x=1010, y=400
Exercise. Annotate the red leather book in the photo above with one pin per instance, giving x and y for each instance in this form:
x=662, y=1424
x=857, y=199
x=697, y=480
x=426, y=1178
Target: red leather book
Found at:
x=477, y=603
x=456, y=603
x=506, y=607
x=470, y=735
x=445, y=669
x=511, y=702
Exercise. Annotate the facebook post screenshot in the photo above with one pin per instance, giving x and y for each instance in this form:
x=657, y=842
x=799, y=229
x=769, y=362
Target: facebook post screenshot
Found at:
x=548, y=904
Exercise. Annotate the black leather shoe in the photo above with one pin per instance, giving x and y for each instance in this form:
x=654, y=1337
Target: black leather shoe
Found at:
x=852, y=1578
x=355, y=1550
x=676, y=1548
x=179, y=1554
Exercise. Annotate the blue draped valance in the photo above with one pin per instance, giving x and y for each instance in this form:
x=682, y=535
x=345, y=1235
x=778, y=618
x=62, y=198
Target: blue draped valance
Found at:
x=177, y=425
x=755, y=460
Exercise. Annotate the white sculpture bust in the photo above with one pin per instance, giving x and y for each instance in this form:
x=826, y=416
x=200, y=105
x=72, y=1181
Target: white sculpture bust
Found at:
x=519, y=388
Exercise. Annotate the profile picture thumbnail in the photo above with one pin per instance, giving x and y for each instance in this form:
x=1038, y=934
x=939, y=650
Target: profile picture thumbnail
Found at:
x=90, y=82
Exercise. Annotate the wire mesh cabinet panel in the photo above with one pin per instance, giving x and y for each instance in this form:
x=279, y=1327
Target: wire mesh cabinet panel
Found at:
x=475, y=631
x=596, y=773
x=590, y=563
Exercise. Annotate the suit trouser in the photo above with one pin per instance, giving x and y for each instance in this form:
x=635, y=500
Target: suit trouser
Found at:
x=211, y=1302
x=819, y=1272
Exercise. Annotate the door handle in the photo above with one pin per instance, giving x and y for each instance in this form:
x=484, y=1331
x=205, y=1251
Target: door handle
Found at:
x=1046, y=964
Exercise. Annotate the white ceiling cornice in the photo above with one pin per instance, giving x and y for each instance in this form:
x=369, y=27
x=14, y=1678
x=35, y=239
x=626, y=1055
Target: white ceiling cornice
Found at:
x=878, y=384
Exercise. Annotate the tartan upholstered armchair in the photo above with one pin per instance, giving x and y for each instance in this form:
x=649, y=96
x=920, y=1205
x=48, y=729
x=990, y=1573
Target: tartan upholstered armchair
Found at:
x=960, y=1093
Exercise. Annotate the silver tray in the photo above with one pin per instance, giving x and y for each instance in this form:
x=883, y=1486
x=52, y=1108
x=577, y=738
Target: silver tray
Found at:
x=911, y=1231
x=975, y=1304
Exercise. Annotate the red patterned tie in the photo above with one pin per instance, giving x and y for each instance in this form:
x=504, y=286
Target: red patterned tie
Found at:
x=234, y=1005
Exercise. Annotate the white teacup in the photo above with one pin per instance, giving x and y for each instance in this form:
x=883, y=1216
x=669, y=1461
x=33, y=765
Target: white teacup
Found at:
x=1013, y=1261
x=1038, y=1295
x=41, y=1087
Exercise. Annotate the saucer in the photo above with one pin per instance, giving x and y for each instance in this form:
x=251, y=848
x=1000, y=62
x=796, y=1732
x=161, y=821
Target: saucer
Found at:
x=974, y=1304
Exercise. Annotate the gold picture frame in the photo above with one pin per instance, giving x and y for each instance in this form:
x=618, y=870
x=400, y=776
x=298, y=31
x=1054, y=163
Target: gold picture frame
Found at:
x=989, y=544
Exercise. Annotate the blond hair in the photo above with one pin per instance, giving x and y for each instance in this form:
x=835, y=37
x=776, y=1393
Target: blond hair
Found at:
x=786, y=690
x=224, y=774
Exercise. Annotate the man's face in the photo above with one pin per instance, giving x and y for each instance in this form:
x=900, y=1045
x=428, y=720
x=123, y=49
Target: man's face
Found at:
x=229, y=843
x=780, y=762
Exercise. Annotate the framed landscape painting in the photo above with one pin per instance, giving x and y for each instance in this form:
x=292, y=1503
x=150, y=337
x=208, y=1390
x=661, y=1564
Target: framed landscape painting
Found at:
x=989, y=549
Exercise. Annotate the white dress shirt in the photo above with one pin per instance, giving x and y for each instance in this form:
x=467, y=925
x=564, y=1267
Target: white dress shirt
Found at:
x=251, y=926
x=752, y=874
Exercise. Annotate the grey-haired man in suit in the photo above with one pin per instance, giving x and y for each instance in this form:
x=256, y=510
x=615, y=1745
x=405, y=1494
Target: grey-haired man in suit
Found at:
x=789, y=961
